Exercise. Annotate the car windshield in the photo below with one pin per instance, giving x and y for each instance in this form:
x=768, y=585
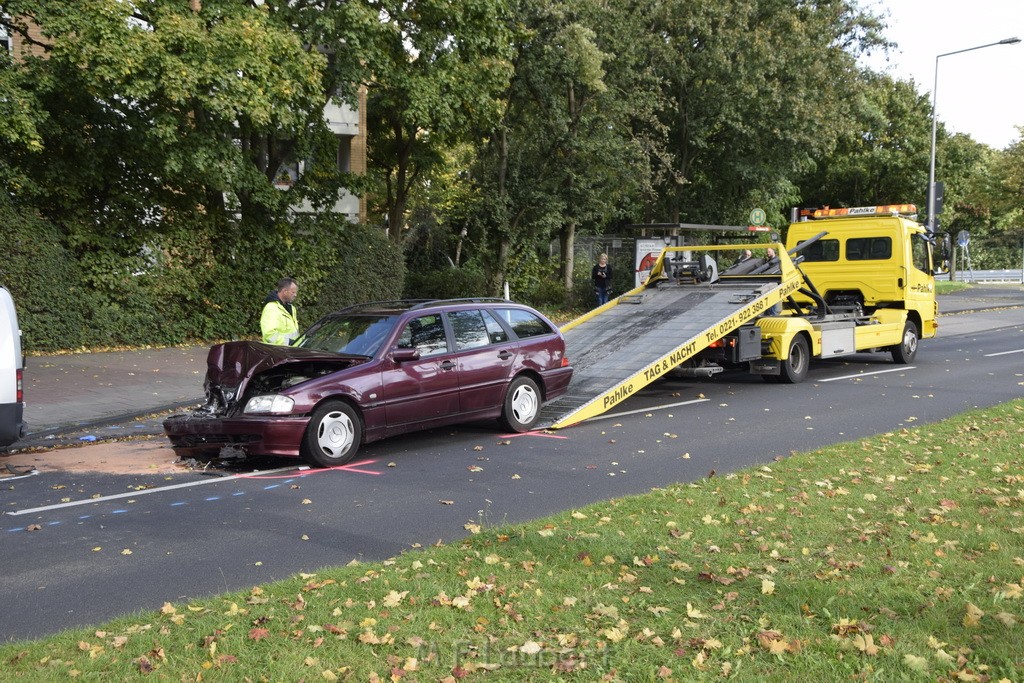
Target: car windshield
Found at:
x=357, y=335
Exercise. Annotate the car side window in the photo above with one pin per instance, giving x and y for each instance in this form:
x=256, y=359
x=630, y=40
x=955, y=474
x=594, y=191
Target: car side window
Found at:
x=469, y=328
x=495, y=332
x=425, y=333
x=524, y=323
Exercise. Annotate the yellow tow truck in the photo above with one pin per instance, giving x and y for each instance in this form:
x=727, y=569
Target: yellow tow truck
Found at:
x=847, y=281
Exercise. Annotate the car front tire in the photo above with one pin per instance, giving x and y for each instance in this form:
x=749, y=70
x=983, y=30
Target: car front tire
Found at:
x=332, y=436
x=522, y=405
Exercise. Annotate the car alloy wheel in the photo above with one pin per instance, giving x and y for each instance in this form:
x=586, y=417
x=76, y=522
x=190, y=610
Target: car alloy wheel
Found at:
x=333, y=435
x=522, y=405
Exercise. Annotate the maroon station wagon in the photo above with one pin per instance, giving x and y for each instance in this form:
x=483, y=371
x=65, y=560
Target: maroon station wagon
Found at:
x=375, y=370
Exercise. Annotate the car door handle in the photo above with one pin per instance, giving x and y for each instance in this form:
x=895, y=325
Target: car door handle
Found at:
x=504, y=355
x=447, y=365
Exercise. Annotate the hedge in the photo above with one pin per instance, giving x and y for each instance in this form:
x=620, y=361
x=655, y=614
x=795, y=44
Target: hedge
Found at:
x=197, y=282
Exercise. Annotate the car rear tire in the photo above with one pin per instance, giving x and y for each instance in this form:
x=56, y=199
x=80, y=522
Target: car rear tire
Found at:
x=905, y=351
x=522, y=405
x=332, y=436
x=794, y=369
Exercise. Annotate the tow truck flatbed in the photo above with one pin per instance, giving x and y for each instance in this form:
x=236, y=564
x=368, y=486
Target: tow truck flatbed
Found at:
x=621, y=347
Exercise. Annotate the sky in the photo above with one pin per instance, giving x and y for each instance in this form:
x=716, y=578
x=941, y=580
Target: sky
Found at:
x=980, y=93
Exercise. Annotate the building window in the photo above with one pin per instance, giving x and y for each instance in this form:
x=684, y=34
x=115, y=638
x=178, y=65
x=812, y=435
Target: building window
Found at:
x=345, y=153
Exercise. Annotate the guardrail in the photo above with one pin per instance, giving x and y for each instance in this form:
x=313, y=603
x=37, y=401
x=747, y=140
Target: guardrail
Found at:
x=990, y=276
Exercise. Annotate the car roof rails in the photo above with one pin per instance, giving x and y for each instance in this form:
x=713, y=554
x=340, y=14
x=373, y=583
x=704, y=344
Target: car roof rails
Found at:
x=402, y=304
x=467, y=300
x=415, y=304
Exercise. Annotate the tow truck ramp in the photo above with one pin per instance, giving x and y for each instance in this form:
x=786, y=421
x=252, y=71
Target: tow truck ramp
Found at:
x=621, y=347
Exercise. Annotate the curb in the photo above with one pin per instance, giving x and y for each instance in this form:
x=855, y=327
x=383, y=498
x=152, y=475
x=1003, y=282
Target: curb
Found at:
x=58, y=430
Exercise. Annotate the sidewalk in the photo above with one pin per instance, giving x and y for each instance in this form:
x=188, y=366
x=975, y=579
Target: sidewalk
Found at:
x=76, y=396
x=79, y=392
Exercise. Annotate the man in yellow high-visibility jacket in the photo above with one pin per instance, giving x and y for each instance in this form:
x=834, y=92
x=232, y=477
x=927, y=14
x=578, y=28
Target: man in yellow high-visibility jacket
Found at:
x=280, y=320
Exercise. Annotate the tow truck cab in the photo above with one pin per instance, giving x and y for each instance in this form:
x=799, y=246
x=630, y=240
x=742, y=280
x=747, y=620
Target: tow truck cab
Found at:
x=871, y=258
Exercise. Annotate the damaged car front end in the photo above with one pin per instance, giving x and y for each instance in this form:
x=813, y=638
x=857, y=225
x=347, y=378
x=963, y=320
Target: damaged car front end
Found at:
x=251, y=398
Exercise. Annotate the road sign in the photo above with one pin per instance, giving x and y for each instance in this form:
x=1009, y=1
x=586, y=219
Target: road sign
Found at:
x=758, y=217
x=963, y=238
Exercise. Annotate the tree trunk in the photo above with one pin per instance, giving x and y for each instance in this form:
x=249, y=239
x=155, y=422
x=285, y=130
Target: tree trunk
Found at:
x=567, y=241
x=496, y=275
x=458, y=247
x=567, y=234
x=398, y=202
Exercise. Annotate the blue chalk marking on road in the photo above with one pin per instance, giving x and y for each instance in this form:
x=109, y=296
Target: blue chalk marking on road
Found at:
x=180, y=502
x=213, y=498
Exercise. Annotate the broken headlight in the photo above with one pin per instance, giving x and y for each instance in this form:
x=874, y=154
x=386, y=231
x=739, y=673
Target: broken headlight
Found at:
x=274, y=404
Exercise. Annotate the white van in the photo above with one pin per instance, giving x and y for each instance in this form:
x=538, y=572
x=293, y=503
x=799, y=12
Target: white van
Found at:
x=12, y=399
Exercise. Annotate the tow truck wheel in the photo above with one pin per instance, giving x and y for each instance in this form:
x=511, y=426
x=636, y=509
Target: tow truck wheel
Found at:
x=332, y=436
x=522, y=405
x=794, y=369
x=905, y=351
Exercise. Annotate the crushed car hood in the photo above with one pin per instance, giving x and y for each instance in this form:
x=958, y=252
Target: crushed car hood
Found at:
x=234, y=363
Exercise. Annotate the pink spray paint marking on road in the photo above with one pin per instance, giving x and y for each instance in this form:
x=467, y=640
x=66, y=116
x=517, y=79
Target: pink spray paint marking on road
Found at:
x=350, y=467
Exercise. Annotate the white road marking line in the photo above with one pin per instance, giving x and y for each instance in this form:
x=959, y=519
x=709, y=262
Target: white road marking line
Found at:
x=867, y=374
x=134, y=494
x=1003, y=353
x=33, y=473
x=647, y=410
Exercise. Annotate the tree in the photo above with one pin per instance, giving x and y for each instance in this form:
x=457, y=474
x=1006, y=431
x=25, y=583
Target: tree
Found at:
x=988, y=199
x=757, y=89
x=436, y=68
x=882, y=155
x=565, y=153
x=189, y=107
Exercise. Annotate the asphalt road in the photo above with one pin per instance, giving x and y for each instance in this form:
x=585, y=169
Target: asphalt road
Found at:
x=147, y=540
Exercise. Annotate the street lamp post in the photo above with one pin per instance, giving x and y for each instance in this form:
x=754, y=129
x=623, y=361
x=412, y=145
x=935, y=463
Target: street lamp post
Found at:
x=935, y=89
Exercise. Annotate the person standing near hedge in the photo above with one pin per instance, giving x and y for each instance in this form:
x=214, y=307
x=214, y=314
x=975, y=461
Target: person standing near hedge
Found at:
x=280, y=320
x=601, y=274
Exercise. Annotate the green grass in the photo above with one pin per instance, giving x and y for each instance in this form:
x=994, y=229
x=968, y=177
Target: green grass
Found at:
x=947, y=287
x=899, y=557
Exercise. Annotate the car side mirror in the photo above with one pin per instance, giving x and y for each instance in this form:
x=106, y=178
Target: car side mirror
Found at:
x=404, y=355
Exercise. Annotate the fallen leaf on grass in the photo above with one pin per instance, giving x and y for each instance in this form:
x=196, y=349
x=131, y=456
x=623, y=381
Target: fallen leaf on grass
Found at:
x=866, y=644
x=915, y=663
x=973, y=616
x=1006, y=619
